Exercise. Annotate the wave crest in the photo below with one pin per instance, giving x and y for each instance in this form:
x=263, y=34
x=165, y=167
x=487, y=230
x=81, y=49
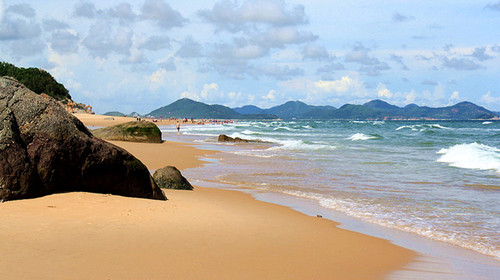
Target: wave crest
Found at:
x=472, y=156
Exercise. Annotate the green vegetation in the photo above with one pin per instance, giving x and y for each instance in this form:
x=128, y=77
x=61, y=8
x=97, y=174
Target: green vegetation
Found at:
x=37, y=80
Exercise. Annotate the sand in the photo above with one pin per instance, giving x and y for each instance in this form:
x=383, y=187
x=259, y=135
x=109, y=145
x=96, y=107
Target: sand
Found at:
x=201, y=234
x=91, y=120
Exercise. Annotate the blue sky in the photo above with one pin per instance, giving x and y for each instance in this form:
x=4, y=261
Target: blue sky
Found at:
x=141, y=55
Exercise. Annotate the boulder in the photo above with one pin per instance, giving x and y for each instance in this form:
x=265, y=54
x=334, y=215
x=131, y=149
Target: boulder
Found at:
x=17, y=175
x=134, y=131
x=170, y=177
x=225, y=138
x=45, y=150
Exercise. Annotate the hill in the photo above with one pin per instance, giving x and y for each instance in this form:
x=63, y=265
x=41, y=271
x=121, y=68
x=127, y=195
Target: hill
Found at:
x=295, y=109
x=187, y=108
x=114, y=114
x=375, y=110
x=378, y=109
x=249, y=109
x=37, y=80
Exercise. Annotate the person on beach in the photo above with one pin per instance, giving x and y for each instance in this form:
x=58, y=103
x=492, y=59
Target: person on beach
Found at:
x=178, y=128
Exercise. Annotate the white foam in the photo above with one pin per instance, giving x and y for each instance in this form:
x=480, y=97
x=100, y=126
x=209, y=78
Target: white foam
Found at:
x=299, y=145
x=472, y=156
x=284, y=128
x=377, y=214
x=487, y=122
x=422, y=127
x=249, y=132
x=361, y=137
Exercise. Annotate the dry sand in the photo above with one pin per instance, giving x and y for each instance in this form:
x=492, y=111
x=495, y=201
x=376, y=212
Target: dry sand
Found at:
x=91, y=120
x=200, y=234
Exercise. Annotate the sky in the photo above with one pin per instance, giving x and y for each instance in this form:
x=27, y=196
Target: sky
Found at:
x=141, y=55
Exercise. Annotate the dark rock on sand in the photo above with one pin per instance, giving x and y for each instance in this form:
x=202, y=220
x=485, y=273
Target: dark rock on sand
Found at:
x=17, y=175
x=170, y=177
x=44, y=150
x=225, y=138
x=134, y=131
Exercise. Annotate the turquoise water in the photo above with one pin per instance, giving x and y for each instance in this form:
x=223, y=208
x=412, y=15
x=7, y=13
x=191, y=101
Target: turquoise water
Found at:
x=437, y=179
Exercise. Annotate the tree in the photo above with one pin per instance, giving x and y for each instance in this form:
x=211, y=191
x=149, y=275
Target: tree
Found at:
x=37, y=80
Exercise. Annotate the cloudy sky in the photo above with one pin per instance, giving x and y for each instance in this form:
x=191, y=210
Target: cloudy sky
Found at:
x=140, y=55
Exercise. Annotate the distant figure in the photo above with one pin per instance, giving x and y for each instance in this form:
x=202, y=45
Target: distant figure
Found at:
x=178, y=128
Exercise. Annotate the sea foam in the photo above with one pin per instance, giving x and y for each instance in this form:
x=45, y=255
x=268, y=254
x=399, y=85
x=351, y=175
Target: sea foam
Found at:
x=361, y=136
x=472, y=156
x=422, y=127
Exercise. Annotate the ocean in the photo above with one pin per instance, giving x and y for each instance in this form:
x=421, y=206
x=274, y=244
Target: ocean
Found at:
x=437, y=179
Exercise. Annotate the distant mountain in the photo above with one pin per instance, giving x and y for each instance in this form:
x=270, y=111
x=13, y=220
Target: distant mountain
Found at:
x=187, y=108
x=378, y=109
x=375, y=110
x=133, y=115
x=114, y=114
x=249, y=109
x=298, y=110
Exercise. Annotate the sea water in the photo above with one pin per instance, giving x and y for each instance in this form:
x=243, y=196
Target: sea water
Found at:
x=436, y=179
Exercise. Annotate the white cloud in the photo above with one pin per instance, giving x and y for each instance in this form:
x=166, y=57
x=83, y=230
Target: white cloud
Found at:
x=410, y=97
x=278, y=37
x=190, y=95
x=437, y=94
x=342, y=86
x=228, y=15
x=316, y=52
x=23, y=9
x=64, y=42
x=280, y=72
x=270, y=95
x=382, y=91
x=235, y=95
x=487, y=98
x=455, y=95
x=163, y=14
x=158, y=79
x=105, y=38
x=158, y=76
x=248, y=52
x=207, y=89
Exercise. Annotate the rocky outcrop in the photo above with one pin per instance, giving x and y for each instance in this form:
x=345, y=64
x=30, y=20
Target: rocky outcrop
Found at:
x=134, y=131
x=170, y=177
x=44, y=150
x=225, y=138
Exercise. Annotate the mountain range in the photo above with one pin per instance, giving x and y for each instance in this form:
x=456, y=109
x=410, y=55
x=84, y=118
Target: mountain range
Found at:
x=374, y=110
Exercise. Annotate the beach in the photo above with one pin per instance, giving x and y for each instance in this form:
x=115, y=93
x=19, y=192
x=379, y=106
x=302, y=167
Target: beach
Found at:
x=202, y=234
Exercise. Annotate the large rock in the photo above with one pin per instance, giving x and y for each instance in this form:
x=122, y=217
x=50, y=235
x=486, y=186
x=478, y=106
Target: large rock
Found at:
x=44, y=150
x=170, y=177
x=225, y=138
x=135, y=131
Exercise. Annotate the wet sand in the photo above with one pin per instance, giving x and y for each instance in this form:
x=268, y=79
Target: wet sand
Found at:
x=201, y=234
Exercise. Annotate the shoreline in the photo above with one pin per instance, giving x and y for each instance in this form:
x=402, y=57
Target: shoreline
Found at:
x=438, y=259
x=205, y=233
